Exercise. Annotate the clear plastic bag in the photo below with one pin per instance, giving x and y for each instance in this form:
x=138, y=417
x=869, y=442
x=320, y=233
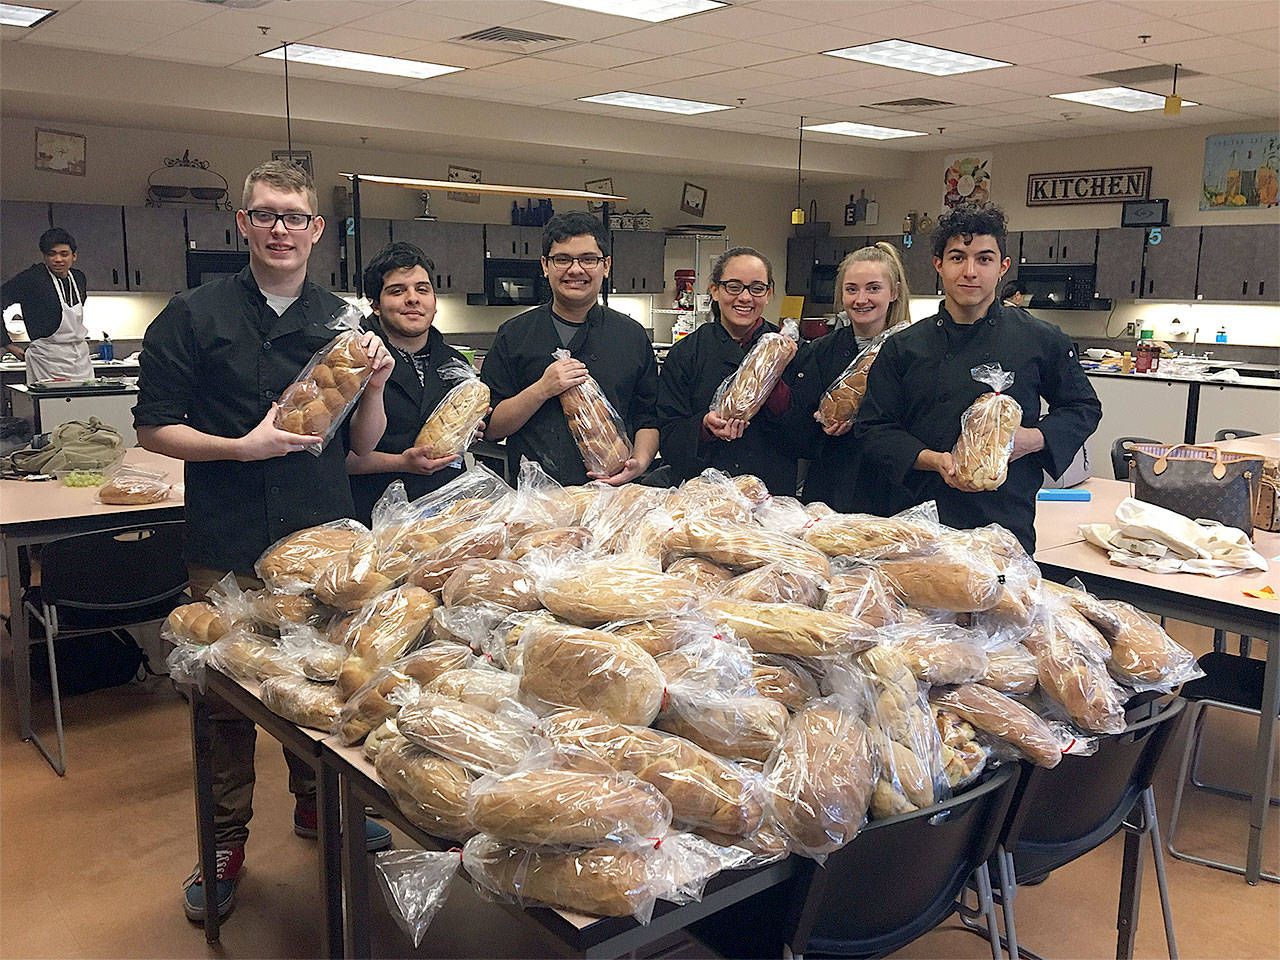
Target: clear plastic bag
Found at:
x=395, y=685
x=789, y=628
x=741, y=395
x=329, y=386
x=938, y=653
x=430, y=790
x=785, y=515
x=1070, y=677
x=134, y=485
x=497, y=582
x=416, y=884
x=596, y=427
x=783, y=679
x=301, y=701
x=310, y=653
x=700, y=572
x=485, y=541
x=776, y=582
x=415, y=528
x=451, y=427
x=981, y=453
x=1143, y=656
x=380, y=632
x=964, y=757
x=616, y=511
x=744, y=546
x=862, y=593
x=294, y=563
x=247, y=657
x=842, y=399
x=466, y=734
x=485, y=687
x=613, y=588
x=712, y=494
x=869, y=537
x=1011, y=669
x=943, y=577
x=1003, y=718
x=353, y=580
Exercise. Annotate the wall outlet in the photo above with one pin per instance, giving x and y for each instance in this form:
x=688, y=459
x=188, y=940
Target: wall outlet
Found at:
x=1130, y=330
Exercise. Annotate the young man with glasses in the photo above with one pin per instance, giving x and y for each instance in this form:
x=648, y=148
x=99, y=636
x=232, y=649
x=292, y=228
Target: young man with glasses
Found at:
x=525, y=380
x=214, y=363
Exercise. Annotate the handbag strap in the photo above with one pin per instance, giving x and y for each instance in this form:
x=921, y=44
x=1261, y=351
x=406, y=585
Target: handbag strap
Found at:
x=1199, y=453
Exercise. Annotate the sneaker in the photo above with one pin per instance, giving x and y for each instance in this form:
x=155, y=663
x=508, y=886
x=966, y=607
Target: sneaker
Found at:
x=376, y=836
x=230, y=862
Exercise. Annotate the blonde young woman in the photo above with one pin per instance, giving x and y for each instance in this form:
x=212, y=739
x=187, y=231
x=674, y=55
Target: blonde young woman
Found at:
x=871, y=286
x=691, y=436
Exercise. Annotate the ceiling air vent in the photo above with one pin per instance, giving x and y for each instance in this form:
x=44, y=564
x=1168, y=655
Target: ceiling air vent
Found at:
x=511, y=40
x=1154, y=73
x=911, y=103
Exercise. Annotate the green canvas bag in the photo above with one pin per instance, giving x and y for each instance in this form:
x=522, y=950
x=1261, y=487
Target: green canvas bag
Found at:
x=73, y=445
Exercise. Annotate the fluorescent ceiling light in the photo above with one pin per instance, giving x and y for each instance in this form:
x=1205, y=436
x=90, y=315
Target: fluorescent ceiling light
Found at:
x=368, y=62
x=643, y=101
x=1120, y=98
x=16, y=15
x=655, y=11
x=864, y=130
x=905, y=55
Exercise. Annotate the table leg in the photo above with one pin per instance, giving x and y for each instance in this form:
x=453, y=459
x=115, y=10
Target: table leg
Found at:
x=355, y=879
x=1130, y=895
x=202, y=751
x=328, y=818
x=1193, y=412
x=20, y=641
x=1262, y=761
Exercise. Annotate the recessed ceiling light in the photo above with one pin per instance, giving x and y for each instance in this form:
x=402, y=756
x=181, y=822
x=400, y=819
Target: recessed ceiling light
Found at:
x=368, y=62
x=655, y=11
x=16, y=15
x=865, y=130
x=918, y=57
x=1120, y=98
x=644, y=101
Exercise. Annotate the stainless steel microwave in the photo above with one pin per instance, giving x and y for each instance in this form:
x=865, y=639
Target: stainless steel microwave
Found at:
x=515, y=283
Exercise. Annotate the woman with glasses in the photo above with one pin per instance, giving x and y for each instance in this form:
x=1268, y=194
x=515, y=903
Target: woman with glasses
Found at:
x=872, y=287
x=692, y=436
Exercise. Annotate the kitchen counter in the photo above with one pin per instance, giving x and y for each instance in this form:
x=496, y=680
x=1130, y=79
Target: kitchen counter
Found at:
x=1271, y=383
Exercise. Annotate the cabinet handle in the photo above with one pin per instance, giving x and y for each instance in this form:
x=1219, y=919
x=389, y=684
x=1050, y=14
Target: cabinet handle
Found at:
x=1151, y=285
x=1261, y=285
x=642, y=282
x=115, y=278
x=1244, y=288
x=1064, y=253
x=137, y=278
x=1050, y=257
x=229, y=237
x=449, y=277
x=1132, y=284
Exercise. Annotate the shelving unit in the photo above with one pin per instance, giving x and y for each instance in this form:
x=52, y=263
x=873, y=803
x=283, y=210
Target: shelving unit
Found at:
x=700, y=273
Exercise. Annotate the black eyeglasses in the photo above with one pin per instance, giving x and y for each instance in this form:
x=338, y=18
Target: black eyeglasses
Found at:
x=588, y=261
x=735, y=287
x=267, y=219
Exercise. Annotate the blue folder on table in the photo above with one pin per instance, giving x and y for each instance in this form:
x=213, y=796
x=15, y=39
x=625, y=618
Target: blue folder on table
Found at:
x=1048, y=494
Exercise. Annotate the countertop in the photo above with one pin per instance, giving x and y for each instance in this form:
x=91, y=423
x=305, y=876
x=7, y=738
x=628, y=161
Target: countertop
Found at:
x=1270, y=383
x=14, y=366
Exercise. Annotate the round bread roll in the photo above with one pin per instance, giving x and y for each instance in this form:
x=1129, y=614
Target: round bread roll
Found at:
x=196, y=622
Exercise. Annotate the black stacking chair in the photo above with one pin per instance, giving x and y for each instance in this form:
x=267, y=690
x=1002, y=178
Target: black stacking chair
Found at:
x=1122, y=458
x=896, y=881
x=1231, y=682
x=1063, y=813
x=98, y=582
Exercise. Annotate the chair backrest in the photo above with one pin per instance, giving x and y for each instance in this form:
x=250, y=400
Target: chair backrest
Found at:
x=1065, y=812
x=1121, y=458
x=901, y=877
x=114, y=569
x=1233, y=435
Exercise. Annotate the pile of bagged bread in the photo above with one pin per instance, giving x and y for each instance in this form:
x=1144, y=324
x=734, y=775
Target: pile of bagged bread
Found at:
x=608, y=694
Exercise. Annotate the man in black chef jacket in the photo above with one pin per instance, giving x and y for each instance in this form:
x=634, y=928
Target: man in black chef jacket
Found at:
x=922, y=383
x=50, y=296
x=214, y=363
x=398, y=285
x=525, y=380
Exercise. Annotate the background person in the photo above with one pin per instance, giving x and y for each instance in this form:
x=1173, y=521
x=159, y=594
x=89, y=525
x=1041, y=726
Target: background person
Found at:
x=524, y=378
x=1014, y=294
x=51, y=297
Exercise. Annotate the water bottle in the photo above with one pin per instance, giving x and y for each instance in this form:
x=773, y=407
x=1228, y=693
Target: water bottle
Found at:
x=106, y=350
x=1221, y=335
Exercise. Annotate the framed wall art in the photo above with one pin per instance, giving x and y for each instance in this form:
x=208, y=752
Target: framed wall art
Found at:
x=301, y=158
x=463, y=175
x=58, y=151
x=603, y=185
x=693, y=200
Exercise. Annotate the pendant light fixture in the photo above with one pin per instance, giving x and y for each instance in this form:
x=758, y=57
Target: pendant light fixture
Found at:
x=797, y=215
x=1173, y=102
x=288, y=119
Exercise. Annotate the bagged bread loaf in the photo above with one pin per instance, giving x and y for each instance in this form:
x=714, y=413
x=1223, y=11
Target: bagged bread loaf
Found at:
x=943, y=578
x=867, y=536
x=483, y=542
x=550, y=806
x=498, y=582
x=745, y=546
x=378, y=699
x=938, y=653
x=981, y=453
x=452, y=425
x=326, y=390
x=788, y=628
x=595, y=426
x=863, y=594
x=246, y=657
x=380, y=632
x=1011, y=669
x=302, y=701
x=962, y=755
x=134, y=485
x=480, y=686
x=295, y=562
x=1142, y=654
x=379, y=735
x=195, y=623
x=573, y=667
x=554, y=542
x=776, y=583
x=654, y=635
x=1003, y=718
x=272, y=609
x=430, y=790
x=700, y=572
x=784, y=680
x=820, y=780
x=351, y=581
x=472, y=736
x=613, y=589
x=842, y=399
x=1097, y=612
x=1079, y=683
x=745, y=391
x=736, y=727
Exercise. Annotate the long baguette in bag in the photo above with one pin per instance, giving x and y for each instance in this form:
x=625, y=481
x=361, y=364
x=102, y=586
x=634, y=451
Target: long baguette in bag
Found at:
x=596, y=427
x=449, y=429
x=745, y=391
x=981, y=453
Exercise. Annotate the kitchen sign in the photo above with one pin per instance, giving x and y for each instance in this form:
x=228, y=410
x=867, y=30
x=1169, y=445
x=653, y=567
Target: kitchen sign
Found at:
x=1088, y=186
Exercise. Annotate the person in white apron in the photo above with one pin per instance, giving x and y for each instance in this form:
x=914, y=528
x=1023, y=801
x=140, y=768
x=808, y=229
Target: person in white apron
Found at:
x=51, y=297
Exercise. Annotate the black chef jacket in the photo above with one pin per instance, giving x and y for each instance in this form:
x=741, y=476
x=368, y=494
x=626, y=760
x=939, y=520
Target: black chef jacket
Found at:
x=838, y=473
x=921, y=383
x=216, y=358
x=617, y=352
x=408, y=403
x=695, y=366
x=41, y=308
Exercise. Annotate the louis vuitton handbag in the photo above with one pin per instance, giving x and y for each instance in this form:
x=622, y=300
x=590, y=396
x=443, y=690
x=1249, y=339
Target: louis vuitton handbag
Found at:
x=1203, y=483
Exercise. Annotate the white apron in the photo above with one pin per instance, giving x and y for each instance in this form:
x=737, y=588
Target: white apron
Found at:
x=65, y=353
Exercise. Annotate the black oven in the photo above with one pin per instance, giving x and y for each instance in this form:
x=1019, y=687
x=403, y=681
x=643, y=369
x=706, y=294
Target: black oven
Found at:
x=515, y=283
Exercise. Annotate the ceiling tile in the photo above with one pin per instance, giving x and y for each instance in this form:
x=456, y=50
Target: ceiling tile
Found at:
x=1179, y=8
x=85, y=42
x=331, y=12
x=362, y=41
x=985, y=39
x=179, y=53
x=808, y=65
x=488, y=13
x=175, y=14
x=740, y=53
x=101, y=26
x=1099, y=61
x=1269, y=39
x=458, y=54
x=1066, y=20
x=411, y=21
x=572, y=22
x=1162, y=31
x=821, y=11
x=532, y=68
x=817, y=38
x=1021, y=80
x=737, y=22
x=1254, y=17
x=595, y=55
x=667, y=41
x=1209, y=49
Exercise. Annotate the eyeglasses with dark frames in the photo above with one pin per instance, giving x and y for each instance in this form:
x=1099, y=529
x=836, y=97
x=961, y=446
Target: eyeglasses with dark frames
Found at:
x=267, y=219
x=588, y=261
x=735, y=287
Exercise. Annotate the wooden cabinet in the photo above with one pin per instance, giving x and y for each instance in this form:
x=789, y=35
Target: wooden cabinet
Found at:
x=800, y=264
x=154, y=249
x=505, y=242
x=215, y=230
x=639, y=262
x=1058, y=246
x=1170, y=269
x=99, y=232
x=21, y=224
x=1012, y=250
x=917, y=262
x=1239, y=263
x=1119, y=263
x=375, y=233
x=456, y=249
x=324, y=266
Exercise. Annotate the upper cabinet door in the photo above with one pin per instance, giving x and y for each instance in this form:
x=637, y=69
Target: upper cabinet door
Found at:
x=212, y=230
x=506, y=242
x=21, y=224
x=1119, y=263
x=157, y=255
x=99, y=232
x=1039, y=246
x=1076, y=246
x=1266, y=285
x=637, y=262
x=1170, y=269
x=324, y=266
x=456, y=250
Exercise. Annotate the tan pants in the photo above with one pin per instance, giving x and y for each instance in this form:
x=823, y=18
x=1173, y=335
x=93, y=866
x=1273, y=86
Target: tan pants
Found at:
x=233, y=745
